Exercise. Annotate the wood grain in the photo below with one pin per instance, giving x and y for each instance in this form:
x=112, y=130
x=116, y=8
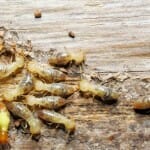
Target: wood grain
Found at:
x=116, y=37
x=115, y=34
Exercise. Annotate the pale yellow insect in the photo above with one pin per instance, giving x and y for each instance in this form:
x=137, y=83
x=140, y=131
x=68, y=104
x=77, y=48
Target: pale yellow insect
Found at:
x=51, y=102
x=63, y=58
x=46, y=72
x=25, y=86
x=58, y=89
x=22, y=111
x=8, y=69
x=55, y=117
x=105, y=93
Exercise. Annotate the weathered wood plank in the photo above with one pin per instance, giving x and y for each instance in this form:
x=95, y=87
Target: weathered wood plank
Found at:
x=116, y=36
x=114, y=33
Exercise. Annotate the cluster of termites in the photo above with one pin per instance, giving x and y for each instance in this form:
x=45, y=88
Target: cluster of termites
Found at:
x=43, y=88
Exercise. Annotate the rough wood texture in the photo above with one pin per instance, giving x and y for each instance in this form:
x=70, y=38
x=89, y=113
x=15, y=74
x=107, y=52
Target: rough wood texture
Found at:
x=116, y=36
x=114, y=33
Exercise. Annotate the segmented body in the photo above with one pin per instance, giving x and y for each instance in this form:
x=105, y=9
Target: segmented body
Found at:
x=63, y=58
x=105, y=93
x=22, y=111
x=55, y=117
x=58, y=89
x=59, y=58
x=51, y=102
x=8, y=69
x=25, y=86
x=46, y=72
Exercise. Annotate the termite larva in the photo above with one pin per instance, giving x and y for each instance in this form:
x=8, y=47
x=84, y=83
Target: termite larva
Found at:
x=58, y=89
x=20, y=110
x=105, y=93
x=4, y=123
x=50, y=102
x=46, y=72
x=8, y=69
x=63, y=58
x=25, y=86
x=55, y=117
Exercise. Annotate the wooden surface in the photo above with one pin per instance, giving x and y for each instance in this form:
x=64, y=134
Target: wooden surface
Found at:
x=116, y=36
x=114, y=33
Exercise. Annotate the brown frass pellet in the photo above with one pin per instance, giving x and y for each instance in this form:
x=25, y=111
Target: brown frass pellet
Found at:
x=71, y=34
x=37, y=13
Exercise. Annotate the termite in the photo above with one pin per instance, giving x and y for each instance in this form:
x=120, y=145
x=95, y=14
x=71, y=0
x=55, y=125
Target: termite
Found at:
x=64, y=58
x=4, y=123
x=58, y=89
x=142, y=105
x=8, y=69
x=25, y=86
x=22, y=111
x=106, y=94
x=50, y=102
x=54, y=117
x=46, y=72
